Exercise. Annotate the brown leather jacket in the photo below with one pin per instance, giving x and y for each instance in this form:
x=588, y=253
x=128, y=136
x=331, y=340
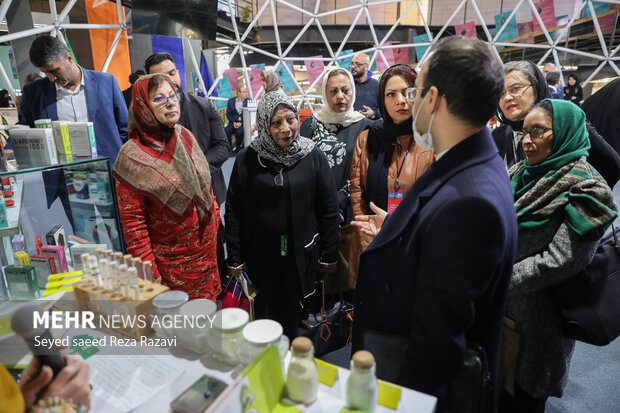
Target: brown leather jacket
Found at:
x=415, y=164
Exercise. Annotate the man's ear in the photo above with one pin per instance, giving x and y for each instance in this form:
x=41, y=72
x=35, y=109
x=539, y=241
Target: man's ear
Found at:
x=431, y=101
x=70, y=57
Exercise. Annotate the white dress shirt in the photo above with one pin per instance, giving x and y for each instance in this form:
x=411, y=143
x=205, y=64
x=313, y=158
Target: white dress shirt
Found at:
x=71, y=104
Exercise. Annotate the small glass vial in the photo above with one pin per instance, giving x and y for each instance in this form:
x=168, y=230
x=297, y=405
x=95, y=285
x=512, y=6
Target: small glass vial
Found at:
x=118, y=257
x=105, y=274
x=100, y=252
x=302, y=378
x=147, y=269
x=123, y=277
x=362, y=383
x=113, y=270
x=94, y=271
x=109, y=255
x=127, y=260
x=85, y=265
x=134, y=285
x=137, y=264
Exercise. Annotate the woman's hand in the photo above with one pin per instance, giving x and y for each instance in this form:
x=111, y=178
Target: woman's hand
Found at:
x=72, y=382
x=235, y=271
x=370, y=224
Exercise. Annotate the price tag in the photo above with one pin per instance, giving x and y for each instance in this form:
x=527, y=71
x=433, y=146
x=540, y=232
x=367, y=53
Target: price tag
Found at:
x=327, y=372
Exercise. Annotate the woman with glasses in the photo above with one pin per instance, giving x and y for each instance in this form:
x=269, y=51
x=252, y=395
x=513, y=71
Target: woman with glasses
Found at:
x=524, y=86
x=563, y=208
x=281, y=213
x=165, y=199
x=387, y=160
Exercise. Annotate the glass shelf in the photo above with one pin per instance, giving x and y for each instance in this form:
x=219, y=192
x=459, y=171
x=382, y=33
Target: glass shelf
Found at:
x=19, y=171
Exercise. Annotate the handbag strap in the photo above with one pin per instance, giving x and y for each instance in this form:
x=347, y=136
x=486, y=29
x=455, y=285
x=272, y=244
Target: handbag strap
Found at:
x=613, y=231
x=325, y=333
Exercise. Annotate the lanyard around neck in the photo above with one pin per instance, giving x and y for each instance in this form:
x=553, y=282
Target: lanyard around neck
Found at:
x=396, y=184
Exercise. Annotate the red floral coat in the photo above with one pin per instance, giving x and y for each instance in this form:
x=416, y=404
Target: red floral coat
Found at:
x=185, y=259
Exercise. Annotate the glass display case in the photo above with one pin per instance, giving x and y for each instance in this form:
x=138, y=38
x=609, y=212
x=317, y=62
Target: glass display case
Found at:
x=79, y=196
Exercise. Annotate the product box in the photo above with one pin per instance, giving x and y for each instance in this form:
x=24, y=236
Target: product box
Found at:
x=34, y=147
x=22, y=258
x=18, y=243
x=56, y=236
x=82, y=136
x=21, y=282
x=77, y=250
x=44, y=265
x=4, y=222
x=58, y=252
x=63, y=143
x=43, y=123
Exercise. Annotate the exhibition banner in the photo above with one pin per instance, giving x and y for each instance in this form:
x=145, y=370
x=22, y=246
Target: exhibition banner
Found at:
x=231, y=74
x=101, y=41
x=526, y=28
x=606, y=22
x=511, y=31
x=420, y=50
x=401, y=55
x=466, y=30
x=315, y=69
x=174, y=47
x=260, y=66
x=255, y=81
x=389, y=57
x=546, y=10
x=222, y=90
x=345, y=63
x=206, y=76
x=288, y=83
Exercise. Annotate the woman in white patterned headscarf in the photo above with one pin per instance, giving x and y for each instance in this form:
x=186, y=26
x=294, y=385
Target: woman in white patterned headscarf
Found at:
x=281, y=213
x=335, y=128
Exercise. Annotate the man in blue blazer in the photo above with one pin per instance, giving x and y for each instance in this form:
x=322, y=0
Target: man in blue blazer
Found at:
x=72, y=93
x=234, y=115
x=436, y=275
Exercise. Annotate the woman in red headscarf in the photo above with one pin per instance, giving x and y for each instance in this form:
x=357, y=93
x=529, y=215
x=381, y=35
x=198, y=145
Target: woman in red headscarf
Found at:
x=167, y=208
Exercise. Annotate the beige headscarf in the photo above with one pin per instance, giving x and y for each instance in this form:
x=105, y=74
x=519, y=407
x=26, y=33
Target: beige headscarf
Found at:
x=327, y=116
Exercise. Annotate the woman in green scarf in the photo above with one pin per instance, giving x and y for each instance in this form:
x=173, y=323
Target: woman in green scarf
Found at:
x=563, y=208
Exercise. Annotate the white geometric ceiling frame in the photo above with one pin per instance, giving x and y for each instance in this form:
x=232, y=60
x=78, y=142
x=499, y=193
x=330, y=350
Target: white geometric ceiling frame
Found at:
x=551, y=45
x=55, y=29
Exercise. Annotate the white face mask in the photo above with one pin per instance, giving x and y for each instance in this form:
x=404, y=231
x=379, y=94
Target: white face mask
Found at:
x=424, y=141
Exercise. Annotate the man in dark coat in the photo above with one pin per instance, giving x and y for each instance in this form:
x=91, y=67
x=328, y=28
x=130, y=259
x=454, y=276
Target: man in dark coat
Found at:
x=127, y=93
x=200, y=117
x=234, y=114
x=603, y=109
x=436, y=275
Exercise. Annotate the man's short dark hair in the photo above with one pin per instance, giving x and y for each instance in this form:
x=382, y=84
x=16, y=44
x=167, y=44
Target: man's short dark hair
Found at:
x=470, y=76
x=47, y=49
x=552, y=77
x=155, y=59
x=135, y=76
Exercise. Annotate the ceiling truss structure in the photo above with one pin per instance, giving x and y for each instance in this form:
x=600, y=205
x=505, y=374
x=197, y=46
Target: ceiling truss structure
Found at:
x=607, y=56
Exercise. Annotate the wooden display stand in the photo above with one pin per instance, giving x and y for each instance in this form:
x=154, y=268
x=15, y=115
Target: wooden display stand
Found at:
x=106, y=303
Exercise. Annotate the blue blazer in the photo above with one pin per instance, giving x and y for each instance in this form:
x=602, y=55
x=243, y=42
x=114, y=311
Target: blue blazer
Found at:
x=437, y=274
x=231, y=110
x=105, y=102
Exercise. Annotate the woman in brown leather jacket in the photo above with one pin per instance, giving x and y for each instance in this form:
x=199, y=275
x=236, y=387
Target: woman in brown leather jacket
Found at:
x=387, y=161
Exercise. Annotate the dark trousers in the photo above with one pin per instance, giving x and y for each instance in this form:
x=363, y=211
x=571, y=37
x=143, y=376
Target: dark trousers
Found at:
x=280, y=291
x=521, y=402
x=230, y=129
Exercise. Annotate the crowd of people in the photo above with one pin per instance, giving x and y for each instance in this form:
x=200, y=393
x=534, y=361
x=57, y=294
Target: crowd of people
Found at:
x=454, y=232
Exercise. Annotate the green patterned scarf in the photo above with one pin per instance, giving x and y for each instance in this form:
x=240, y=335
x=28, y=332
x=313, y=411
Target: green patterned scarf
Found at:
x=564, y=182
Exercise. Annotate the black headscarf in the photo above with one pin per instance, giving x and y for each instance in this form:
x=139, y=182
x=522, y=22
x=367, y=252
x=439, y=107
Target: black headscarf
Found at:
x=541, y=90
x=4, y=98
x=603, y=109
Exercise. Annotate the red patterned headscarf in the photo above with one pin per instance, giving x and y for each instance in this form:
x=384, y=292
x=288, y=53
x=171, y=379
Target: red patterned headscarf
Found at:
x=165, y=164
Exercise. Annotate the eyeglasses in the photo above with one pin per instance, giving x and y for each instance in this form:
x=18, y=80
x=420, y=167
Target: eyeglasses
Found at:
x=535, y=133
x=355, y=64
x=163, y=100
x=515, y=91
x=411, y=92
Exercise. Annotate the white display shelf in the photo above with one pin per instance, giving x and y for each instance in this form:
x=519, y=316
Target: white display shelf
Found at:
x=89, y=201
x=12, y=213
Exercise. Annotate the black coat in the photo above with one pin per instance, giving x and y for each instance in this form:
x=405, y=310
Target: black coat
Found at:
x=314, y=210
x=601, y=155
x=437, y=274
x=200, y=117
x=603, y=110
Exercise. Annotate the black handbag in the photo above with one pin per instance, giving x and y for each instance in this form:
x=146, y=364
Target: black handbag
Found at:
x=330, y=329
x=590, y=300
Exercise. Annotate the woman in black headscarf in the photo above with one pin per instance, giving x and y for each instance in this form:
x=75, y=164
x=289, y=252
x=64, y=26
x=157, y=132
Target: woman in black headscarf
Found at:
x=524, y=86
x=573, y=91
x=4, y=98
x=281, y=213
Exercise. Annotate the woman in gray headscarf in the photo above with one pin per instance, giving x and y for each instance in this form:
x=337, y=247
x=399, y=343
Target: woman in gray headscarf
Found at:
x=281, y=213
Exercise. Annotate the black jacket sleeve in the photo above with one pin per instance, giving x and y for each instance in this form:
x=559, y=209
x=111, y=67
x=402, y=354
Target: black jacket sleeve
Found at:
x=326, y=207
x=234, y=212
x=603, y=157
x=219, y=150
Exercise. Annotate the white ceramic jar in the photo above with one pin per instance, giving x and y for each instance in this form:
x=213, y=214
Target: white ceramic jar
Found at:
x=198, y=315
x=259, y=334
x=226, y=334
x=362, y=383
x=165, y=307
